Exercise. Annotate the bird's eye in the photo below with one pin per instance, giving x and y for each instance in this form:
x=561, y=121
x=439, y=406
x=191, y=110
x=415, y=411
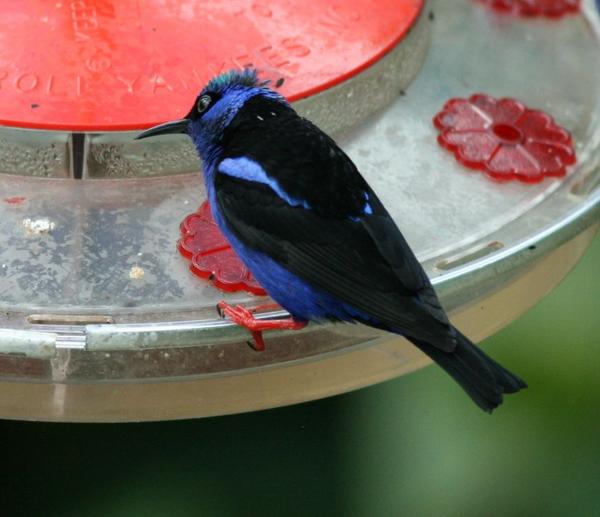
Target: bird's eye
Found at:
x=203, y=103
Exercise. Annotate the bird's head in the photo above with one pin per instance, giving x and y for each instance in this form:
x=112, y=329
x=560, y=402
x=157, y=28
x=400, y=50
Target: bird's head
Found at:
x=215, y=108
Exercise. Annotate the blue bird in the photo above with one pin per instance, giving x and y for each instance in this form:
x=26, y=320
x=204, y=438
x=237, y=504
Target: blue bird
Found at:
x=310, y=229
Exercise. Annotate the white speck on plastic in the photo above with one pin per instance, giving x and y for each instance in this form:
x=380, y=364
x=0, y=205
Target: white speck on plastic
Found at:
x=39, y=226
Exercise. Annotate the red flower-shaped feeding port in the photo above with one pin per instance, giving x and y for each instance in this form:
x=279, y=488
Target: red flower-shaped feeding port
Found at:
x=548, y=8
x=212, y=258
x=504, y=139
x=211, y=255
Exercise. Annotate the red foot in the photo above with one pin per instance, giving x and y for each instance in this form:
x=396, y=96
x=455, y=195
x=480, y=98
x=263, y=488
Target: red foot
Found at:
x=245, y=318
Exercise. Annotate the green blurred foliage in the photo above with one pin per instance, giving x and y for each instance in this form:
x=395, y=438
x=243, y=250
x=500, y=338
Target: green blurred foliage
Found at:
x=412, y=446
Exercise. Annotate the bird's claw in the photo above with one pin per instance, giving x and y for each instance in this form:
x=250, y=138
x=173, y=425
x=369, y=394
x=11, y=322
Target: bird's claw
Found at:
x=257, y=342
x=245, y=318
x=237, y=314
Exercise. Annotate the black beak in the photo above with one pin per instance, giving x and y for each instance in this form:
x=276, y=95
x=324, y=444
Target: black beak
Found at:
x=175, y=126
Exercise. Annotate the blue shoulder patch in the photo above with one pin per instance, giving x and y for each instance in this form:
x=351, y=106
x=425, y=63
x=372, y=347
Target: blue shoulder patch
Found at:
x=247, y=169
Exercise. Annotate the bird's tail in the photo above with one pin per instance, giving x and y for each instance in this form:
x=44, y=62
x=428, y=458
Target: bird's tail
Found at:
x=479, y=375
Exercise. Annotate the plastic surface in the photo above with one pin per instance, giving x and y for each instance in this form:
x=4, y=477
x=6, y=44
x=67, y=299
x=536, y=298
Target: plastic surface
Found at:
x=548, y=8
x=211, y=256
x=504, y=138
x=130, y=64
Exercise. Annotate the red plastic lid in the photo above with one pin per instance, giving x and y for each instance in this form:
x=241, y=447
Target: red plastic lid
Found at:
x=127, y=64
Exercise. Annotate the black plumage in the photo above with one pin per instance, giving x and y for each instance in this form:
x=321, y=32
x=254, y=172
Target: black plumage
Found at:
x=338, y=246
x=304, y=221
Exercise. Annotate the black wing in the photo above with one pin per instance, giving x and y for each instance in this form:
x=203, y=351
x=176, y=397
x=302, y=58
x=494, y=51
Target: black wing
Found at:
x=362, y=261
x=306, y=162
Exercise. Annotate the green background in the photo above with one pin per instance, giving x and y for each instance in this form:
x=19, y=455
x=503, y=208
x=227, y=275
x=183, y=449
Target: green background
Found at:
x=412, y=446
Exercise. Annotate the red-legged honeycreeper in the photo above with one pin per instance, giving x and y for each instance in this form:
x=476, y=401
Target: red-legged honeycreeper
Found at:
x=310, y=229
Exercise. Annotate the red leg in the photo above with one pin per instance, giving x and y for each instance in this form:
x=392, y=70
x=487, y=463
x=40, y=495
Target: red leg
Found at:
x=243, y=317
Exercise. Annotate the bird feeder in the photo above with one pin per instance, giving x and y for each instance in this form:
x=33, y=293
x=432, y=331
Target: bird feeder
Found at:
x=101, y=318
